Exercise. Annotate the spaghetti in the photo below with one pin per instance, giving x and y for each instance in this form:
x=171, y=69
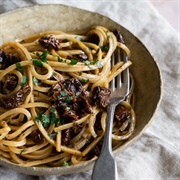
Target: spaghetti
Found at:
x=54, y=94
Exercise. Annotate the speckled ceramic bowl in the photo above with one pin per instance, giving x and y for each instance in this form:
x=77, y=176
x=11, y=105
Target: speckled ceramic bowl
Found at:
x=30, y=20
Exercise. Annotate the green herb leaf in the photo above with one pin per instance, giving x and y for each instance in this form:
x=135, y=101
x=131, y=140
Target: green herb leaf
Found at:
x=59, y=59
x=79, y=38
x=54, y=119
x=52, y=116
x=18, y=66
x=37, y=62
x=39, y=115
x=104, y=48
x=52, y=135
x=109, y=36
x=93, y=61
x=68, y=99
x=35, y=81
x=24, y=80
x=73, y=62
x=87, y=62
x=52, y=109
x=67, y=108
x=99, y=89
x=43, y=56
x=84, y=80
x=98, y=64
x=65, y=164
x=63, y=93
x=45, y=120
x=24, y=150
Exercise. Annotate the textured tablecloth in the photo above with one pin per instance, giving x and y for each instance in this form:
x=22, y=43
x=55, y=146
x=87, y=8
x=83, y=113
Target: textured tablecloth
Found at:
x=156, y=155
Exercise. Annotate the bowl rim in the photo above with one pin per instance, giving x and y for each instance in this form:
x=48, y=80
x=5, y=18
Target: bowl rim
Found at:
x=89, y=164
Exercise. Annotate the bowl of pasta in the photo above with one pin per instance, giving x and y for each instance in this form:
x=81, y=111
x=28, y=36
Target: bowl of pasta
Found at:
x=54, y=88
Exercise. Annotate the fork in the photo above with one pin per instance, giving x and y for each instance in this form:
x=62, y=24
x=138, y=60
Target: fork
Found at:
x=105, y=167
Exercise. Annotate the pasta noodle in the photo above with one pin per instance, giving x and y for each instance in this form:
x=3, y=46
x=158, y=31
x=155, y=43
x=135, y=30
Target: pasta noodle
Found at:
x=54, y=94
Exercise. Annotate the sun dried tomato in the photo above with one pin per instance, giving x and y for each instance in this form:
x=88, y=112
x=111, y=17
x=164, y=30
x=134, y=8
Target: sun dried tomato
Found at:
x=17, y=99
x=37, y=137
x=10, y=82
x=49, y=42
x=121, y=113
x=7, y=59
x=70, y=99
x=101, y=96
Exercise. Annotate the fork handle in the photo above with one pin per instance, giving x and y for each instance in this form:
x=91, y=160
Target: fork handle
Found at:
x=105, y=167
x=107, y=143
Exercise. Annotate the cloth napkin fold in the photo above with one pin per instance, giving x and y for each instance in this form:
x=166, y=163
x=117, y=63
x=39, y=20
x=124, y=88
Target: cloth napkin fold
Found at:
x=156, y=154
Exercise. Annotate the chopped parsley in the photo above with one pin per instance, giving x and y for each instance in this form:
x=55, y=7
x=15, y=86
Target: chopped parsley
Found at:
x=35, y=81
x=93, y=62
x=59, y=59
x=79, y=38
x=67, y=97
x=109, y=36
x=84, y=80
x=52, y=109
x=37, y=62
x=67, y=108
x=63, y=93
x=18, y=66
x=43, y=56
x=104, y=48
x=46, y=120
x=51, y=136
x=23, y=150
x=87, y=62
x=23, y=81
x=52, y=116
x=65, y=164
x=73, y=62
x=98, y=64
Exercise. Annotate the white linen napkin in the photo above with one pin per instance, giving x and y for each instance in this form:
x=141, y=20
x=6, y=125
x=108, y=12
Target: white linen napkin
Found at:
x=156, y=155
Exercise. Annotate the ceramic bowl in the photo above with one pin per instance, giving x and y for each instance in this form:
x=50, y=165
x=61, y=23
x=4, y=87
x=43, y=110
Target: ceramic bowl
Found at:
x=38, y=18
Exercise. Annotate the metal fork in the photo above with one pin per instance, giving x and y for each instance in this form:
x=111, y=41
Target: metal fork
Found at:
x=105, y=167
